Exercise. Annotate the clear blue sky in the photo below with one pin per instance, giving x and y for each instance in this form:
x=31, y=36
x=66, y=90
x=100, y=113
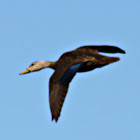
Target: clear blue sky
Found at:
x=103, y=104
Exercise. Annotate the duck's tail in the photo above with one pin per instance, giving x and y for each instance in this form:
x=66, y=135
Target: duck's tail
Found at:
x=108, y=60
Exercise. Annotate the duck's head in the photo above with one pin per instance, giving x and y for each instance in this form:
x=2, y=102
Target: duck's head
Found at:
x=36, y=66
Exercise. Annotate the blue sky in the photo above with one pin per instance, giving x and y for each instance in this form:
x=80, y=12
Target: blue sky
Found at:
x=102, y=104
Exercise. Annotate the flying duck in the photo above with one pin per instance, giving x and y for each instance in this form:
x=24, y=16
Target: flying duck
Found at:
x=82, y=59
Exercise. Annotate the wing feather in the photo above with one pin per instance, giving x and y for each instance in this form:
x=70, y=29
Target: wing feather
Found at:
x=58, y=89
x=101, y=48
x=56, y=102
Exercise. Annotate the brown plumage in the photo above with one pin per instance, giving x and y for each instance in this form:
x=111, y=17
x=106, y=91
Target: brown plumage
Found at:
x=82, y=59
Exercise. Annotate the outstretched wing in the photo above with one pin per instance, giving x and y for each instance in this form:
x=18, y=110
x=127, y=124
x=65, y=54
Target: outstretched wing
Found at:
x=58, y=88
x=101, y=48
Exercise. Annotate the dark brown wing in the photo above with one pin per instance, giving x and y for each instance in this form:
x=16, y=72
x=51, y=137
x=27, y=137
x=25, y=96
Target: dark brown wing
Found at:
x=101, y=48
x=58, y=86
x=57, y=95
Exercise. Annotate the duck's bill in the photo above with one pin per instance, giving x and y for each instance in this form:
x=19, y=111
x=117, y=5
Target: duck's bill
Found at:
x=24, y=72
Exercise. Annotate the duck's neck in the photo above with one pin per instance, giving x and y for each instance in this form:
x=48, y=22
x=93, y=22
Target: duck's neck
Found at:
x=53, y=65
x=50, y=64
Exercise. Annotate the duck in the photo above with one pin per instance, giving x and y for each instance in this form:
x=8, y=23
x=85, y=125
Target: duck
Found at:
x=82, y=59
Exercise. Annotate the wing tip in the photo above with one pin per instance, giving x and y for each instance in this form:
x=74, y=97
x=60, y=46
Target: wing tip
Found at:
x=120, y=50
x=53, y=118
x=112, y=49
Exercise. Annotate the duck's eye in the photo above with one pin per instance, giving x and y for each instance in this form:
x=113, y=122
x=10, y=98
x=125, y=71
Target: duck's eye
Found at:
x=32, y=64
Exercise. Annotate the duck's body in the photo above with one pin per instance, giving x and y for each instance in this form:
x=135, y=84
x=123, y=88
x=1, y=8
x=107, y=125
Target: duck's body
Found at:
x=83, y=59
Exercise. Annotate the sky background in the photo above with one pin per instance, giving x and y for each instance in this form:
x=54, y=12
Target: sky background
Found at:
x=103, y=104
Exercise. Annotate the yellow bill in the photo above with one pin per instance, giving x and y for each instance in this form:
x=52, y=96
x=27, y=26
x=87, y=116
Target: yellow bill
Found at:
x=24, y=72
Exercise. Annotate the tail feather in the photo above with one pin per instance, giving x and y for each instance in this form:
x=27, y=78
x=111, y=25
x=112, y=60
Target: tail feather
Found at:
x=108, y=60
x=112, y=59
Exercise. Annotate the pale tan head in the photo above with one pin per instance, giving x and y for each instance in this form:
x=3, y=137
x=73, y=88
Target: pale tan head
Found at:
x=36, y=66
